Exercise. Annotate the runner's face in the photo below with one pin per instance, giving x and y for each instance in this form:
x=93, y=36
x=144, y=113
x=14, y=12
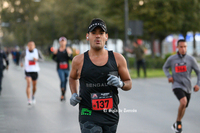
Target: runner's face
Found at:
x=63, y=42
x=31, y=45
x=182, y=47
x=97, y=38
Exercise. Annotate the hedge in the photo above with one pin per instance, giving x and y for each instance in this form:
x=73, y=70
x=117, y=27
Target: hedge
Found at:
x=153, y=63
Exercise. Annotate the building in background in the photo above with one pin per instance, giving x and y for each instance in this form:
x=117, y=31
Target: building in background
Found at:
x=169, y=44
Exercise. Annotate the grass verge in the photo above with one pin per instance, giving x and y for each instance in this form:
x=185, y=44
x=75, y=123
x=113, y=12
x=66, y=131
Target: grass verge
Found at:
x=151, y=73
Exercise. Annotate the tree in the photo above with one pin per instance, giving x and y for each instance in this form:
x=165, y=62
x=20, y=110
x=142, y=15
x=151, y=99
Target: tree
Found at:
x=191, y=19
x=160, y=18
x=20, y=15
x=49, y=19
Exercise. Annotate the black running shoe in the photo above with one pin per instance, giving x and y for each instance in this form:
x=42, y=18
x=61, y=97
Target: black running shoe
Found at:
x=177, y=127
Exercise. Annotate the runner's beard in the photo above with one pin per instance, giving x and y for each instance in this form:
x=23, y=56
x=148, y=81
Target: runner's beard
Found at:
x=97, y=47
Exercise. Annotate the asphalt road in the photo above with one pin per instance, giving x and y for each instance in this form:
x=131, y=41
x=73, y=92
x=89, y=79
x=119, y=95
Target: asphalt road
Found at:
x=150, y=107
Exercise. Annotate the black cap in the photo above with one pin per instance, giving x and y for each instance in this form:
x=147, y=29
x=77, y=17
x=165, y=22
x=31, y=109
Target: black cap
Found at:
x=97, y=22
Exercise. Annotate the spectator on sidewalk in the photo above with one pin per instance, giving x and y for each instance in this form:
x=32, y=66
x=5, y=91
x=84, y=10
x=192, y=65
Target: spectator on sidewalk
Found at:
x=139, y=52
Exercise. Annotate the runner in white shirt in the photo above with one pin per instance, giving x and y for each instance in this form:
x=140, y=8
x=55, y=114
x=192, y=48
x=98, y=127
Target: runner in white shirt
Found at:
x=31, y=66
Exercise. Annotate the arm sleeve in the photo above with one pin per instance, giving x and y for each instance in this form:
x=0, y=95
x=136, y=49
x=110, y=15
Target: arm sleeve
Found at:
x=196, y=69
x=142, y=49
x=22, y=56
x=166, y=67
x=133, y=51
x=40, y=55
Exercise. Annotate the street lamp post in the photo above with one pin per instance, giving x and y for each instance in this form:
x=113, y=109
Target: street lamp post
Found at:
x=126, y=28
x=126, y=20
x=1, y=31
x=28, y=22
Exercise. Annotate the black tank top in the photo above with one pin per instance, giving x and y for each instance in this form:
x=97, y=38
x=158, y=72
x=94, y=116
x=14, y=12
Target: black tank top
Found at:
x=62, y=57
x=94, y=80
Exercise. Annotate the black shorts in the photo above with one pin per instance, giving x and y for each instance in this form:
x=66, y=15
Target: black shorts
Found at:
x=33, y=75
x=181, y=93
x=90, y=127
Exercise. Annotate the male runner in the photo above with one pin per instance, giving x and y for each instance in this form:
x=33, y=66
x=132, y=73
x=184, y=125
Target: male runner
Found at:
x=32, y=56
x=181, y=65
x=98, y=71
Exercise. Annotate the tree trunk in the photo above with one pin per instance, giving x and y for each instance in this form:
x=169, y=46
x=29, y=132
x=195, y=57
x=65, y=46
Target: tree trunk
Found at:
x=194, y=44
x=152, y=44
x=184, y=35
x=160, y=44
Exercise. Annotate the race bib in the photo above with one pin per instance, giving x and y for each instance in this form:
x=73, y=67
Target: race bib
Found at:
x=101, y=101
x=63, y=65
x=179, y=68
x=31, y=62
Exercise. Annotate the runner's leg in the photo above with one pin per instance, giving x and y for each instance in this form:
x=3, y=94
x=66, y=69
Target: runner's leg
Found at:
x=181, y=109
x=66, y=79
x=138, y=69
x=28, y=88
x=110, y=128
x=34, y=83
x=144, y=68
x=89, y=127
x=62, y=82
x=181, y=96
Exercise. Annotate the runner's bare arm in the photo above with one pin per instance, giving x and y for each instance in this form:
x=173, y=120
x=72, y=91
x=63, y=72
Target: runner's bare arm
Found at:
x=54, y=57
x=123, y=71
x=69, y=52
x=75, y=72
x=55, y=51
x=128, y=50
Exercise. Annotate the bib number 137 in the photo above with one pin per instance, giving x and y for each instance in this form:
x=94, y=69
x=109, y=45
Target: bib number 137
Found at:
x=101, y=101
x=100, y=104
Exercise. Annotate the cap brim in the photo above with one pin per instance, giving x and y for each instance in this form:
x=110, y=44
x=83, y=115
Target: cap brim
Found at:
x=97, y=26
x=62, y=39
